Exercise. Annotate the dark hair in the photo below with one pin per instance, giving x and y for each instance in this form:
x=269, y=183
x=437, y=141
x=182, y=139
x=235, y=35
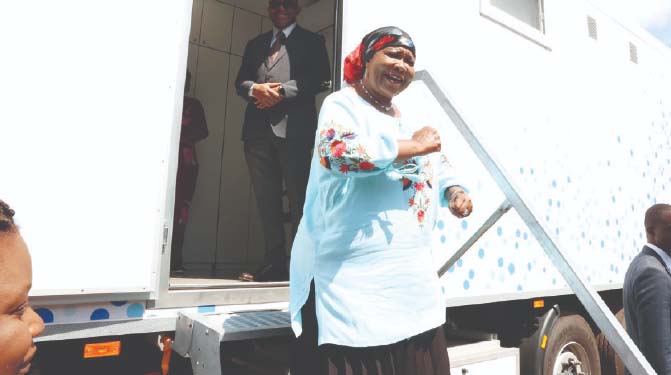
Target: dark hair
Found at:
x=654, y=214
x=286, y=3
x=6, y=218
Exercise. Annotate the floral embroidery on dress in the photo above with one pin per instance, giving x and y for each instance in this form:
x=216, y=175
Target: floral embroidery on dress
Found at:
x=340, y=150
x=420, y=202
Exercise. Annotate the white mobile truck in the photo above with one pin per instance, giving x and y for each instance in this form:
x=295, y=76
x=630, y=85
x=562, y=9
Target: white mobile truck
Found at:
x=568, y=110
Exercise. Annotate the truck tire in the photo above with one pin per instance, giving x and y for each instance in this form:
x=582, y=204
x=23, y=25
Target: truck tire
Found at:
x=571, y=348
x=611, y=364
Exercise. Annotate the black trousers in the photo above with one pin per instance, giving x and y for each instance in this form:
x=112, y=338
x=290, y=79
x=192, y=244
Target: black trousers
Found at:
x=271, y=161
x=423, y=354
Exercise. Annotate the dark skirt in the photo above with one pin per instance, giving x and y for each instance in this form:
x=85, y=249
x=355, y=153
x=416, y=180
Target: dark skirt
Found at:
x=424, y=354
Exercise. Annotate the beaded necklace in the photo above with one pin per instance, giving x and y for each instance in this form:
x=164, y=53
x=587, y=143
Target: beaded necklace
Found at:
x=380, y=105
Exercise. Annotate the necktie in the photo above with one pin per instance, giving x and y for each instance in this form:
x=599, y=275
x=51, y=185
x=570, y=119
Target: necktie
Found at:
x=274, y=52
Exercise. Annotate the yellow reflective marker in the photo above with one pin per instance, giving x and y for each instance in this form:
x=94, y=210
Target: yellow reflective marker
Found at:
x=544, y=342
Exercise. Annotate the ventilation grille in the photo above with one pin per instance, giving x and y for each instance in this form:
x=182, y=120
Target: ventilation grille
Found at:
x=633, y=53
x=591, y=27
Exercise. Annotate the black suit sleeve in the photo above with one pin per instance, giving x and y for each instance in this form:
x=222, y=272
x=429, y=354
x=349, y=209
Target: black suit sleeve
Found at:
x=653, y=305
x=315, y=78
x=246, y=75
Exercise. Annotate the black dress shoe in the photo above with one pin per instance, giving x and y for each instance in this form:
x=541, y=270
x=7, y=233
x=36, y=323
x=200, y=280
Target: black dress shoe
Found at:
x=269, y=272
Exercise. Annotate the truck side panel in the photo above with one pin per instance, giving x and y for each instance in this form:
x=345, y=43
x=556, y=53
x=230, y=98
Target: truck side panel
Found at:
x=580, y=123
x=88, y=179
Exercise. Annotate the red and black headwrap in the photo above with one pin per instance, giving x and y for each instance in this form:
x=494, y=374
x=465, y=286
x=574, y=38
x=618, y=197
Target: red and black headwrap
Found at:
x=376, y=40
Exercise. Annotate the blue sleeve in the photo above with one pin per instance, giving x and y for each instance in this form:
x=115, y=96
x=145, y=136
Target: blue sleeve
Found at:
x=653, y=305
x=348, y=147
x=446, y=179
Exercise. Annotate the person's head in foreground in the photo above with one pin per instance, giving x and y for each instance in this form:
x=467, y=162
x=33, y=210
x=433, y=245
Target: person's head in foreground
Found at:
x=383, y=64
x=658, y=226
x=19, y=324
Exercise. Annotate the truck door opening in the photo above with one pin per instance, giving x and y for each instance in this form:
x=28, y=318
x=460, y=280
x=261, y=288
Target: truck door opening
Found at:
x=223, y=236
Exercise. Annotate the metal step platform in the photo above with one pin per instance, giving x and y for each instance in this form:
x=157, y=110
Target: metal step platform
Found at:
x=199, y=336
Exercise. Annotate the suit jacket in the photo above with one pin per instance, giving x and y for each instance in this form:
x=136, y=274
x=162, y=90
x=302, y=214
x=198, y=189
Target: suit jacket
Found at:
x=647, y=308
x=309, y=74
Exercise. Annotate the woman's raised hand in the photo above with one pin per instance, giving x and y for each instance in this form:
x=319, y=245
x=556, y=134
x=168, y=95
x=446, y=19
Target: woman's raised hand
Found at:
x=424, y=141
x=427, y=140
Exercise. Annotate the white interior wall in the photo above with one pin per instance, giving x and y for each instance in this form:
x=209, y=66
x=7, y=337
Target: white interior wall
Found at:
x=224, y=227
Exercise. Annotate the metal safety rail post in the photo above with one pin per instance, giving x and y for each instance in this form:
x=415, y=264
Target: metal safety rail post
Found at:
x=493, y=218
x=595, y=306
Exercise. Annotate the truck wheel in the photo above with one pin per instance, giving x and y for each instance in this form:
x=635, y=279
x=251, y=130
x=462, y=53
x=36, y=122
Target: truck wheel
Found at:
x=610, y=361
x=571, y=348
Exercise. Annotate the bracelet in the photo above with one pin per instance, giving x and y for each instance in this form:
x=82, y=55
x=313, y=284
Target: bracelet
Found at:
x=451, y=195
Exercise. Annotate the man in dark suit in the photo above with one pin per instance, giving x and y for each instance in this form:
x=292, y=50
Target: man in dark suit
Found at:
x=281, y=72
x=647, y=291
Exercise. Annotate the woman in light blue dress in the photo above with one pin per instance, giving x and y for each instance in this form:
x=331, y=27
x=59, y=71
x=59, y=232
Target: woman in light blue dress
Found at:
x=365, y=296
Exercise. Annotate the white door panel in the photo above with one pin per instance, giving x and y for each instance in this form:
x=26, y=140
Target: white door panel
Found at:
x=89, y=128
